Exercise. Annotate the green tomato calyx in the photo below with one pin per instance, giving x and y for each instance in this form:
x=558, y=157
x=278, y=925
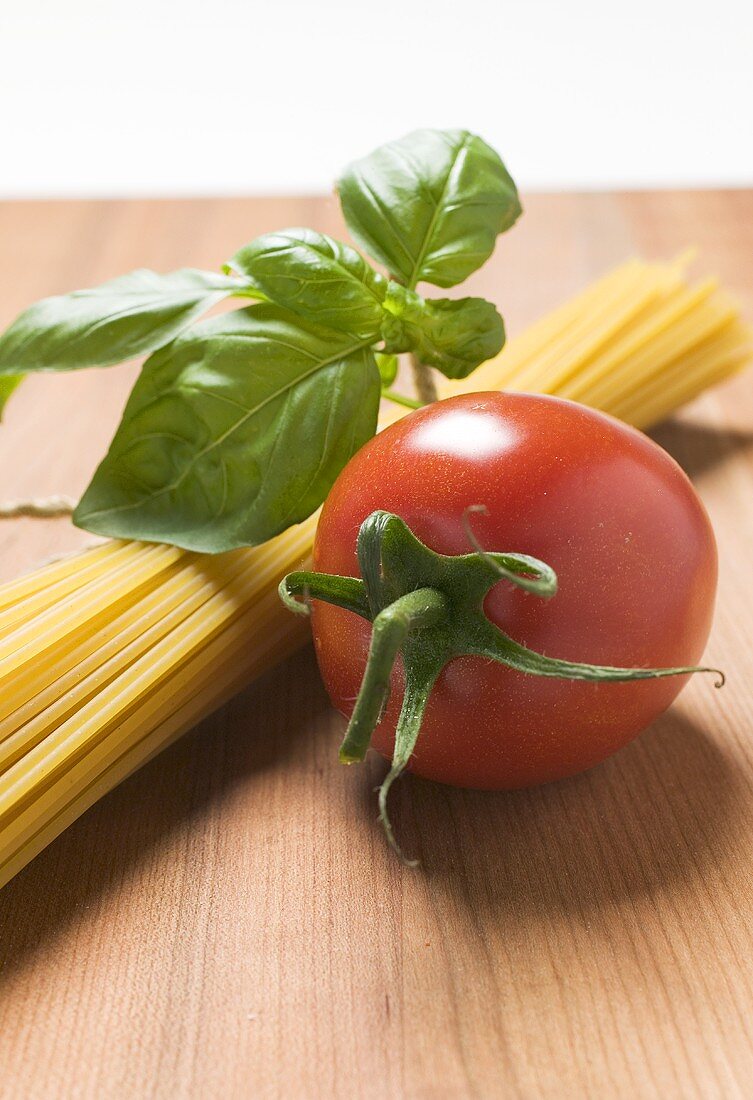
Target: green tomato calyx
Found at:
x=429, y=607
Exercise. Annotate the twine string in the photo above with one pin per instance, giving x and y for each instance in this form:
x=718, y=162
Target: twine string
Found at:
x=52, y=507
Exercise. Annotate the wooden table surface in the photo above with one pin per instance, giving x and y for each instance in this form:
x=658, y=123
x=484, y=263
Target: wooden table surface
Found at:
x=229, y=923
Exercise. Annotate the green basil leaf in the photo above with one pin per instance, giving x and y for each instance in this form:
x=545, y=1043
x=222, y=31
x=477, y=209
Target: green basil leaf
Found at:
x=455, y=335
x=387, y=366
x=118, y=320
x=430, y=206
x=316, y=277
x=234, y=432
x=8, y=383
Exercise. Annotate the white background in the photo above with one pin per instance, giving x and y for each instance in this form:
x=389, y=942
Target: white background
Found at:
x=111, y=97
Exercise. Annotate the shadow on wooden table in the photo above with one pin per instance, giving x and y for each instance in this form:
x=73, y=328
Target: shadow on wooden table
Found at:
x=655, y=816
x=699, y=447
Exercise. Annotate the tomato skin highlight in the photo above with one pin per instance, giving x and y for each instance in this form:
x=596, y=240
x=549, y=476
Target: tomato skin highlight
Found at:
x=606, y=507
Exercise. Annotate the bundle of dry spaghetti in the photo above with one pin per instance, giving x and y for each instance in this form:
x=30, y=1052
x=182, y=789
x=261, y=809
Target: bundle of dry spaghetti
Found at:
x=108, y=656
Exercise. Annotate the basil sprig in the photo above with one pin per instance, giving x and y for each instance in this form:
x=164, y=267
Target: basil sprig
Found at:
x=237, y=426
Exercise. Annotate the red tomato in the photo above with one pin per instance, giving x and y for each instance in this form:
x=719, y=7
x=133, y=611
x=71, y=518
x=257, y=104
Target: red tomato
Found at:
x=602, y=504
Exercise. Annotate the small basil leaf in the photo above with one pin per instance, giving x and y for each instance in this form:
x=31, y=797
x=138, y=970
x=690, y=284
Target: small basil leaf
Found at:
x=457, y=335
x=8, y=383
x=316, y=277
x=234, y=432
x=453, y=335
x=430, y=206
x=118, y=320
x=387, y=366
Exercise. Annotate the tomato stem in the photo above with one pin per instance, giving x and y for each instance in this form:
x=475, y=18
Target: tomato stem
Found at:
x=429, y=607
x=347, y=592
x=415, y=611
x=418, y=688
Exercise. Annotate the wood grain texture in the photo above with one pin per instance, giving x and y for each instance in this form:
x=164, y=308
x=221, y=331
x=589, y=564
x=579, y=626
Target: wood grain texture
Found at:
x=229, y=923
